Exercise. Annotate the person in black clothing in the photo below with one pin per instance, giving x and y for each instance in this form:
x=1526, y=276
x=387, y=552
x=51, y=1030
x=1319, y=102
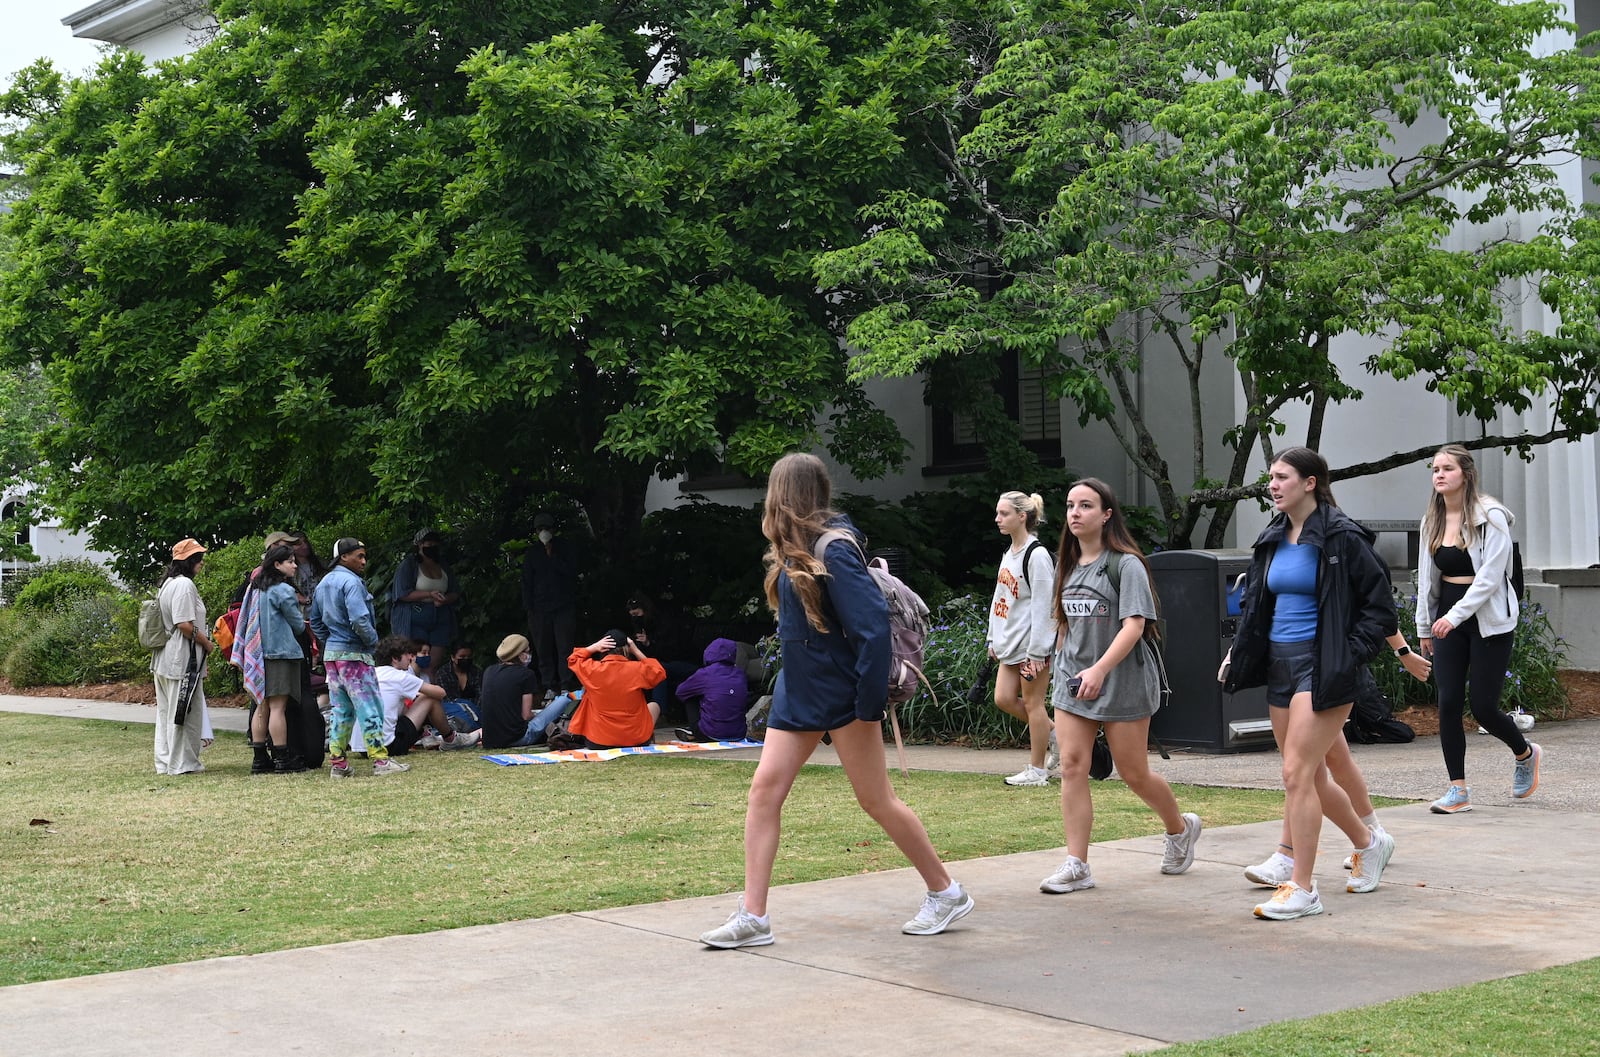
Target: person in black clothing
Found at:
x=461, y=681
x=550, y=597
x=506, y=699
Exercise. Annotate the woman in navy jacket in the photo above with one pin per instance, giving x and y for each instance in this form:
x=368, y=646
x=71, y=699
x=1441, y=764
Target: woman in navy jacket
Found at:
x=834, y=627
x=1317, y=608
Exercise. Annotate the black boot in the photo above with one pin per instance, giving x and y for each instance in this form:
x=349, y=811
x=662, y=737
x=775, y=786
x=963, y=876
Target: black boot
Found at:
x=280, y=759
x=294, y=763
x=261, y=763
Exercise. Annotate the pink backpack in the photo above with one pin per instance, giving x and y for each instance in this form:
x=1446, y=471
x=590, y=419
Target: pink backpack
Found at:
x=908, y=631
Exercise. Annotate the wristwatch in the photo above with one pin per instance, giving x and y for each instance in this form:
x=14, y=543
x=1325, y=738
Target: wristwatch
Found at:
x=1403, y=651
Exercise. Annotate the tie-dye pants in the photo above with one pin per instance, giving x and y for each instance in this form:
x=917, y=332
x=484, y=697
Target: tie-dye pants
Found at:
x=353, y=691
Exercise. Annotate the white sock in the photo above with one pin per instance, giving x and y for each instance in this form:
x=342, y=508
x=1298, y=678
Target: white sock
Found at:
x=949, y=893
x=1371, y=821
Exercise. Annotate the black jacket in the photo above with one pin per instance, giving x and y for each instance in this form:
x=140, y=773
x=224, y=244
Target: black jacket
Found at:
x=1355, y=607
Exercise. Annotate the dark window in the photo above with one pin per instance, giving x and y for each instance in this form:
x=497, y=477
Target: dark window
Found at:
x=956, y=449
x=24, y=534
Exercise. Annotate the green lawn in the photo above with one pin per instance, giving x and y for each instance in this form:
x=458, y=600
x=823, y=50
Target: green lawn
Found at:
x=134, y=869
x=1545, y=1014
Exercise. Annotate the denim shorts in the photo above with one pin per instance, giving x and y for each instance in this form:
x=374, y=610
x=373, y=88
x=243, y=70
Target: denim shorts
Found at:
x=1289, y=670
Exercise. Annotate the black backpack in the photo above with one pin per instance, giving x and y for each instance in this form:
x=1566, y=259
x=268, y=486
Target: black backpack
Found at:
x=1372, y=719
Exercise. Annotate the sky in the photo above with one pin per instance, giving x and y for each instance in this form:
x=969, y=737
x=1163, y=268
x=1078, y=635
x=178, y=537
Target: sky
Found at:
x=31, y=29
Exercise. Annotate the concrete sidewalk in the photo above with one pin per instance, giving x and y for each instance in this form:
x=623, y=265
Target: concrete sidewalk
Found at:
x=1140, y=961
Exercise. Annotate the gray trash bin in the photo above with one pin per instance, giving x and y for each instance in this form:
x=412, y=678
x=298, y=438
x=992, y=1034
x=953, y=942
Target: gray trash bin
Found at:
x=1200, y=624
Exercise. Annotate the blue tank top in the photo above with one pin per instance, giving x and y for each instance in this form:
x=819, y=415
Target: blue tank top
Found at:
x=1292, y=579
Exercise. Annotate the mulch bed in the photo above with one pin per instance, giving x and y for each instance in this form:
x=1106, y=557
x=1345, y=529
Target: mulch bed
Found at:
x=132, y=693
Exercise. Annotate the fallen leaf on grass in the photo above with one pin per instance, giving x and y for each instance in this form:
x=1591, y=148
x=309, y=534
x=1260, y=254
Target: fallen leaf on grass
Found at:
x=40, y=822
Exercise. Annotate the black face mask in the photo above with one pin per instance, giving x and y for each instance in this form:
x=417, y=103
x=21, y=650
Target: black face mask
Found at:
x=430, y=552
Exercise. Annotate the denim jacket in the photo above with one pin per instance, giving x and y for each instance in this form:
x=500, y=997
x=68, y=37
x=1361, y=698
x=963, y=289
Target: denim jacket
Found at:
x=280, y=619
x=341, y=613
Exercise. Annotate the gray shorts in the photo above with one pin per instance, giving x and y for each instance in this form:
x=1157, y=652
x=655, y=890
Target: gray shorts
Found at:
x=1289, y=670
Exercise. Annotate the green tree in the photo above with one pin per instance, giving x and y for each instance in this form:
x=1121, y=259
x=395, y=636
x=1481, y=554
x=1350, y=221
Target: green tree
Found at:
x=390, y=251
x=1247, y=181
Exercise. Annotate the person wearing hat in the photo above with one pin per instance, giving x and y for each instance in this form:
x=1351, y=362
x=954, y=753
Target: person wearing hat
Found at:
x=550, y=597
x=342, y=619
x=505, y=700
x=183, y=615
x=423, y=596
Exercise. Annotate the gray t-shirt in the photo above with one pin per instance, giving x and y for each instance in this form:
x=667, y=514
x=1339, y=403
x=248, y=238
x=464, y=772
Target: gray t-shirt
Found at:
x=1094, y=617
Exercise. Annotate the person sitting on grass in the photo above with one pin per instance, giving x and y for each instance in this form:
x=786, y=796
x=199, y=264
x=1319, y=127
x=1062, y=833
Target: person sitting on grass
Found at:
x=505, y=699
x=409, y=704
x=714, y=698
x=615, y=713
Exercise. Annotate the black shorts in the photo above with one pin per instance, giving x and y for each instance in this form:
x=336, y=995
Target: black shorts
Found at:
x=405, y=736
x=1289, y=670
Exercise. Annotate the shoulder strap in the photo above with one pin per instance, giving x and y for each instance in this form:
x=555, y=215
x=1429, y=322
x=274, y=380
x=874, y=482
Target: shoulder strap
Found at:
x=1027, y=562
x=819, y=548
x=1114, y=572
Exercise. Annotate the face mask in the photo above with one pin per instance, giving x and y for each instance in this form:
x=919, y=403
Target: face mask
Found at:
x=463, y=662
x=422, y=662
x=430, y=552
x=545, y=535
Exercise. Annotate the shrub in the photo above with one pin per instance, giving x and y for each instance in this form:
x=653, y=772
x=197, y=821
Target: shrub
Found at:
x=954, y=656
x=47, y=656
x=48, y=585
x=90, y=639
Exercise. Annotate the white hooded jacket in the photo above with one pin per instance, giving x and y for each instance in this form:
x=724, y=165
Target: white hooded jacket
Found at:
x=1490, y=597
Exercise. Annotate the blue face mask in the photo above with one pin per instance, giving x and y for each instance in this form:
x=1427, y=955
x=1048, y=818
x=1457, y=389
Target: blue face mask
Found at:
x=422, y=662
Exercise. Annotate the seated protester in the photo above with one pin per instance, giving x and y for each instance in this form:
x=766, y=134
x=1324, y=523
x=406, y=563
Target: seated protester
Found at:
x=615, y=713
x=461, y=681
x=409, y=703
x=714, y=698
x=662, y=639
x=506, y=693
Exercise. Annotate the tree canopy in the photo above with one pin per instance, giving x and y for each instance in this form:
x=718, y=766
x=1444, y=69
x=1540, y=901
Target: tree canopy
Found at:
x=1247, y=181
x=379, y=252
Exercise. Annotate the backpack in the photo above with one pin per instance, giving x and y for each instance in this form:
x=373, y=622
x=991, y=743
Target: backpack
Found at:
x=153, y=634
x=224, y=631
x=1514, y=573
x=908, y=631
x=1372, y=719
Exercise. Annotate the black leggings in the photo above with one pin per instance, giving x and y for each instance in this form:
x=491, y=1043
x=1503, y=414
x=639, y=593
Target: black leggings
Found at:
x=1464, y=657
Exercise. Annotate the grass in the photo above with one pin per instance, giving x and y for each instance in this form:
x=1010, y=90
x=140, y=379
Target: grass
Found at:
x=1544, y=1014
x=134, y=869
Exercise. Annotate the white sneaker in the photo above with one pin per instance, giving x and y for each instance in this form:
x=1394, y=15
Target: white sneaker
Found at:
x=1052, y=755
x=938, y=913
x=1071, y=876
x=1030, y=775
x=388, y=766
x=1290, y=901
x=1272, y=873
x=742, y=929
x=463, y=741
x=1350, y=860
x=429, y=741
x=1179, y=853
x=1366, y=868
